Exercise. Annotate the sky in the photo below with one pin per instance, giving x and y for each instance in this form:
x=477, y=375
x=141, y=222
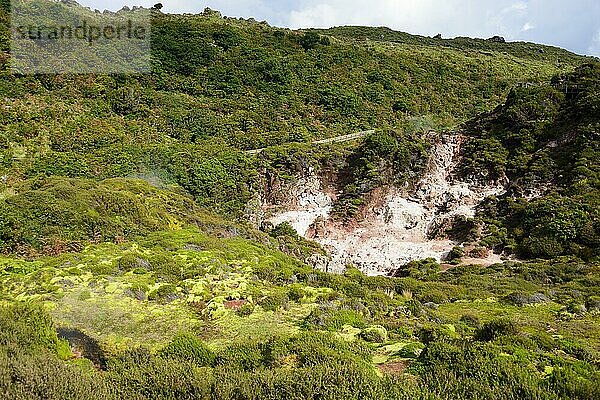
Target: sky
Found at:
x=571, y=24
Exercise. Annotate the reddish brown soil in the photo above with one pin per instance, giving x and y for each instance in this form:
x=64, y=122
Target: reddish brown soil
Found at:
x=395, y=368
x=234, y=304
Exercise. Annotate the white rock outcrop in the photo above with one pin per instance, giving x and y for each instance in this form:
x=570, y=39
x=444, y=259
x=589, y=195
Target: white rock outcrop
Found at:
x=401, y=229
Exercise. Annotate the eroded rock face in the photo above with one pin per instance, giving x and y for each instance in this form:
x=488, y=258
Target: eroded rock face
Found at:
x=401, y=227
x=309, y=203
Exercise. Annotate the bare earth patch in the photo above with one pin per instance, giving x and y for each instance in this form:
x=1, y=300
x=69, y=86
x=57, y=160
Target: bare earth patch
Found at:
x=395, y=368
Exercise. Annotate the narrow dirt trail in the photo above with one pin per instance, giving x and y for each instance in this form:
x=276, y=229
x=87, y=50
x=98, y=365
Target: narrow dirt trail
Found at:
x=337, y=139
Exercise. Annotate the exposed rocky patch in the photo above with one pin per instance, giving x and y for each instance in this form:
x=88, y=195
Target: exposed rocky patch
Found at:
x=310, y=204
x=397, y=225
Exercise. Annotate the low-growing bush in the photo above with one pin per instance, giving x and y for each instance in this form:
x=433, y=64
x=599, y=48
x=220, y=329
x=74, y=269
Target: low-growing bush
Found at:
x=593, y=303
x=296, y=293
x=245, y=310
x=165, y=293
x=246, y=357
x=331, y=318
x=470, y=320
x=274, y=301
x=374, y=334
x=411, y=350
x=419, y=269
x=521, y=299
x=434, y=296
x=27, y=327
x=189, y=348
x=494, y=329
x=455, y=254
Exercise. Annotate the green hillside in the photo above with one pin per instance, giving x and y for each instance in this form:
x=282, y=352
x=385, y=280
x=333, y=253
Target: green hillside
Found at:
x=129, y=271
x=545, y=138
x=222, y=85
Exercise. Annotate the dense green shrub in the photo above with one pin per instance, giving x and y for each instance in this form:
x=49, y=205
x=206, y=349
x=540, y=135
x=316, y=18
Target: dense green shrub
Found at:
x=274, y=301
x=314, y=348
x=164, y=293
x=470, y=320
x=521, y=299
x=42, y=376
x=283, y=229
x=246, y=357
x=569, y=384
x=374, y=334
x=465, y=370
x=419, y=269
x=495, y=329
x=138, y=374
x=246, y=310
x=411, y=350
x=434, y=296
x=333, y=319
x=593, y=303
x=295, y=293
x=27, y=327
x=189, y=348
x=52, y=214
x=455, y=254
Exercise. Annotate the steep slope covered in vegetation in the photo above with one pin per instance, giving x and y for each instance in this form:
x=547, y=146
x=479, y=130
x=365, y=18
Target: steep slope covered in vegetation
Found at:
x=222, y=85
x=521, y=180
x=546, y=140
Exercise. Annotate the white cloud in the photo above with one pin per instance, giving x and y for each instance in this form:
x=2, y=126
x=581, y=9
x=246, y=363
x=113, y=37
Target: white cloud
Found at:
x=573, y=24
x=450, y=17
x=594, y=48
x=527, y=27
x=319, y=16
x=508, y=18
